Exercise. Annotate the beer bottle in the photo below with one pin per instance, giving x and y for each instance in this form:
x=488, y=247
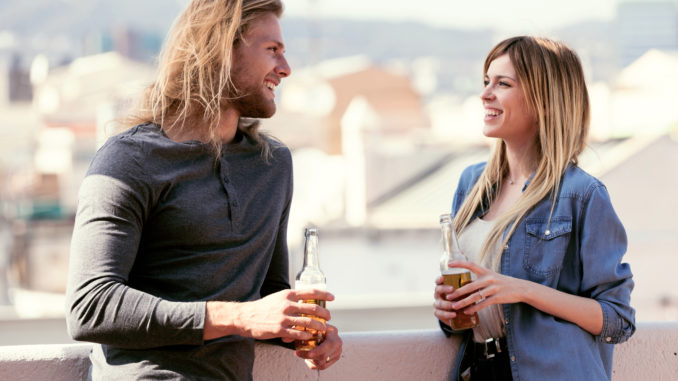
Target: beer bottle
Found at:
x=455, y=277
x=311, y=276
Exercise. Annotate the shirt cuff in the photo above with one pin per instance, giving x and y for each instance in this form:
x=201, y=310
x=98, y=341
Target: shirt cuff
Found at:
x=613, y=331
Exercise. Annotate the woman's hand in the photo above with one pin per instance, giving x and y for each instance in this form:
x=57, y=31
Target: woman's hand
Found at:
x=492, y=288
x=489, y=288
x=442, y=306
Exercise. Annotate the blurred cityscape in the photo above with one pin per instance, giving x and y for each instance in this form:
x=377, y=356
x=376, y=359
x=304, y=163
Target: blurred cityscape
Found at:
x=381, y=118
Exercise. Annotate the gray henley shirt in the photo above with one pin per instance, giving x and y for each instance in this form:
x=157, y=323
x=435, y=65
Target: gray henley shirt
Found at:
x=161, y=228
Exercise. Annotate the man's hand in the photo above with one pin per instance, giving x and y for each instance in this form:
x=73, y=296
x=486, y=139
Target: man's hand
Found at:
x=276, y=315
x=326, y=353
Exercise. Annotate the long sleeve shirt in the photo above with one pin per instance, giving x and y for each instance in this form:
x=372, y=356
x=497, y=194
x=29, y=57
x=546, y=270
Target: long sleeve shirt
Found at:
x=161, y=228
x=579, y=251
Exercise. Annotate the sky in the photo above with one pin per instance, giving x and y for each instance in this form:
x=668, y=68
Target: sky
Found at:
x=507, y=15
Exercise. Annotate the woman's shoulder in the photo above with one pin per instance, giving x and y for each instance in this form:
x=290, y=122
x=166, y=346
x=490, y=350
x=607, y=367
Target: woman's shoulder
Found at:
x=576, y=181
x=472, y=172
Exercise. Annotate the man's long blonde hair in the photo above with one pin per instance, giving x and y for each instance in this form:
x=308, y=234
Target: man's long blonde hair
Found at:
x=552, y=80
x=194, y=81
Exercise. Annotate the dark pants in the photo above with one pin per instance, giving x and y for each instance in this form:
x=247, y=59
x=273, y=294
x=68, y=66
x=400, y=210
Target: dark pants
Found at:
x=487, y=362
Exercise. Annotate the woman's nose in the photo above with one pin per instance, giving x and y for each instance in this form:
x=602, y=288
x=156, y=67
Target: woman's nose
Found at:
x=487, y=93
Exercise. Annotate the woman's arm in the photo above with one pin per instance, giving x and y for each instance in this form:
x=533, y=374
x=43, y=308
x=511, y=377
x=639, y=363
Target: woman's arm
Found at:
x=604, y=277
x=493, y=288
x=602, y=304
x=585, y=312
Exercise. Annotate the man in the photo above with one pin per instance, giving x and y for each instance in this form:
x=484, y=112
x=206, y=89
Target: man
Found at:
x=179, y=255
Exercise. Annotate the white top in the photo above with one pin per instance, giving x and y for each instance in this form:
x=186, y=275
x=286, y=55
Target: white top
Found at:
x=471, y=241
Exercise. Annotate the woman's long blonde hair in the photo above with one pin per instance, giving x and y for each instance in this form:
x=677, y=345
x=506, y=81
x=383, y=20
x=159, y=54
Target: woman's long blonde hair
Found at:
x=194, y=69
x=552, y=80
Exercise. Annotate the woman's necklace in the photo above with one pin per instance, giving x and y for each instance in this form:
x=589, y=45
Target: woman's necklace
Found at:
x=511, y=181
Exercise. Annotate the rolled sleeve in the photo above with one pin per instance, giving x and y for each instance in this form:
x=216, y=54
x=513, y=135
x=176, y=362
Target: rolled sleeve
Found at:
x=615, y=330
x=605, y=278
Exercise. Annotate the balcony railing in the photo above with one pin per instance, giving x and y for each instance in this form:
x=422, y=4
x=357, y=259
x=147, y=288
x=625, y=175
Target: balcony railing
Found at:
x=651, y=354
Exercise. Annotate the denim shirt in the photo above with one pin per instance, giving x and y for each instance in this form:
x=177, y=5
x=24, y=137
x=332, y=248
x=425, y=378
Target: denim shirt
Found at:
x=580, y=252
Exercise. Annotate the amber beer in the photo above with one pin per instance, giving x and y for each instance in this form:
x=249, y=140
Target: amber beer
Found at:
x=457, y=278
x=318, y=336
x=310, y=277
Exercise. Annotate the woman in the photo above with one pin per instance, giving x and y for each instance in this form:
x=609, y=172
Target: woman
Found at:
x=541, y=234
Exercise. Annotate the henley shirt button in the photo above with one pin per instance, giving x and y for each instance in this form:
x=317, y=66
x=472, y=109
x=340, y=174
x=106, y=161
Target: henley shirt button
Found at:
x=547, y=232
x=513, y=358
x=506, y=321
x=608, y=339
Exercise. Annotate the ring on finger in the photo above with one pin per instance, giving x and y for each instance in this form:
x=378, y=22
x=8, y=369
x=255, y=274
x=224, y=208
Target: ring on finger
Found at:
x=482, y=297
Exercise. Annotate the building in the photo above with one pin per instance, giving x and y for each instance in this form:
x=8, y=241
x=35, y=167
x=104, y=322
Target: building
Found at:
x=15, y=85
x=326, y=90
x=644, y=96
x=69, y=119
x=366, y=123
x=77, y=104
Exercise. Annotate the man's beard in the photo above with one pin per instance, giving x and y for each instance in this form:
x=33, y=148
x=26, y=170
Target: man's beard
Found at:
x=251, y=103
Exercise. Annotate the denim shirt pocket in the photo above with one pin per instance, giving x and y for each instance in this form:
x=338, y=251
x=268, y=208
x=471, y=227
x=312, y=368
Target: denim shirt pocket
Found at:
x=546, y=245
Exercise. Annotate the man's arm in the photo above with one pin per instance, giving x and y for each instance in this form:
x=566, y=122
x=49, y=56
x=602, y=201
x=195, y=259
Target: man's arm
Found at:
x=278, y=315
x=102, y=308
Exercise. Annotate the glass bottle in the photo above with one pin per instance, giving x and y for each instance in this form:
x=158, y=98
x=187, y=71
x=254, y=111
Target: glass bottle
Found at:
x=311, y=276
x=455, y=277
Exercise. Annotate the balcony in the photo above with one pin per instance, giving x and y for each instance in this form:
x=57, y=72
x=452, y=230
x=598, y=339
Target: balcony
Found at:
x=651, y=354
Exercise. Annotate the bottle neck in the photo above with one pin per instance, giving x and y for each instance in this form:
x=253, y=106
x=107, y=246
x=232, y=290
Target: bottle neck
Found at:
x=450, y=242
x=447, y=230
x=311, y=251
x=310, y=275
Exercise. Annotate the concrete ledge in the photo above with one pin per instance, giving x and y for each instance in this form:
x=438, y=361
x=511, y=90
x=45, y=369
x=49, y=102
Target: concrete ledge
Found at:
x=651, y=354
x=397, y=355
x=45, y=362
